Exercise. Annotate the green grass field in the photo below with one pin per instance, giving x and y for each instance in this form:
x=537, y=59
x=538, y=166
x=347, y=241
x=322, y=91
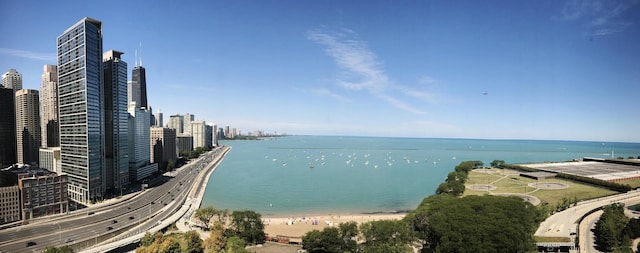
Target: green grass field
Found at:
x=509, y=181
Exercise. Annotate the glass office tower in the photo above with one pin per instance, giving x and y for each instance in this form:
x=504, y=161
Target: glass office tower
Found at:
x=81, y=87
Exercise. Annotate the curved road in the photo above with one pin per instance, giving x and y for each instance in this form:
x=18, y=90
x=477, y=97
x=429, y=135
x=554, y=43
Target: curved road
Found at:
x=562, y=224
x=123, y=218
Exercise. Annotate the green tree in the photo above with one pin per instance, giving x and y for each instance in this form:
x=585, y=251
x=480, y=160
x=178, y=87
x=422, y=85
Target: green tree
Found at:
x=609, y=232
x=387, y=235
x=454, y=188
x=235, y=245
x=149, y=238
x=193, y=243
x=248, y=226
x=327, y=240
x=349, y=235
x=63, y=249
x=204, y=215
x=497, y=163
x=475, y=224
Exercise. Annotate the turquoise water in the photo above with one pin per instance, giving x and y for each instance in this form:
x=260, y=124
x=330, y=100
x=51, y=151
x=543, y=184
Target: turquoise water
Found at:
x=307, y=175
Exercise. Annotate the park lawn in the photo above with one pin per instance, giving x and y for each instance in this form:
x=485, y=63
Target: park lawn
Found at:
x=634, y=183
x=551, y=239
x=513, y=183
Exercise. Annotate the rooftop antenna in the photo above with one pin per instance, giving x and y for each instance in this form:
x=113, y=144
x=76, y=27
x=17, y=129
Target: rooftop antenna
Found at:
x=135, y=64
x=140, y=53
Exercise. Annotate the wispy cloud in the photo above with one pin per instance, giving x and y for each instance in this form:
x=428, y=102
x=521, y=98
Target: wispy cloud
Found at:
x=361, y=69
x=600, y=17
x=328, y=93
x=28, y=54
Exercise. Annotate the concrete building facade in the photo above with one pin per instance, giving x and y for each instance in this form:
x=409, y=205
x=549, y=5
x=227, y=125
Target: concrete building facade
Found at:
x=163, y=146
x=12, y=80
x=49, y=126
x=10, y=202
x=50, y=159
x=28, y=126
x=140, y=165
x=43, y=194
x=177, y=122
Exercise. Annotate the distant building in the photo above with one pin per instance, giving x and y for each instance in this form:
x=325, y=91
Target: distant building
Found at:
x=140, y=165
x=50, y=159
x=28, y=126
x=177, y=122
x=159, y=121
x=12, y=80
x=185, y=143
x=81, y=107
x=214, y=135
x=49, y=119
x=199, y=133
x=187, y=119
x=10, y=204
x=139, y=76
x=116, y=123
x=163, y=146
x=133, y=92
x=208, y=135
x=7, y=127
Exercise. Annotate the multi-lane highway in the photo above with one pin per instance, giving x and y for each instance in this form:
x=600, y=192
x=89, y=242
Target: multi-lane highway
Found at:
x=133, y=215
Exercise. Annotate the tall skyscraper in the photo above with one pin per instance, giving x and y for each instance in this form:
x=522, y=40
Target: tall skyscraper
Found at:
x=28, y=126
x=12, y=80
x=159, y=120
x=49, y=119
x=177, y=122
x=116, y=122
x=139, y=139
x=198, y=129
x=7, y=127
x=133, y=92
x=80, y=89
x=139, y=76
x=188, y=118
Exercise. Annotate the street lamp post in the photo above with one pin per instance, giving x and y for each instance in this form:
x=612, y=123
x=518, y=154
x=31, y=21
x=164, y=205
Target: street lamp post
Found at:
x=59, y=233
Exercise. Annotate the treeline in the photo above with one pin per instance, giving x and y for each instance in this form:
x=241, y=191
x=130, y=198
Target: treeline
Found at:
x=228, y=232
x=614, y=229
x=454, y=183
x=442, y=223
x=592, y=181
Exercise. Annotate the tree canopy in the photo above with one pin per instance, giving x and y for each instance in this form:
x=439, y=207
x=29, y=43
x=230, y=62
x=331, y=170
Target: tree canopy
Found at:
x=610, y=228
x=248, y=226
x=475, y=224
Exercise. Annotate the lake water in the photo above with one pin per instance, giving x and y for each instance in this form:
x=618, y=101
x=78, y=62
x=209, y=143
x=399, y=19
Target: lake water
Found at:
x=319, y=175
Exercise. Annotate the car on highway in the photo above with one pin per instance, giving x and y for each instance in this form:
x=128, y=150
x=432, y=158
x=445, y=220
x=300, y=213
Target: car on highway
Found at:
x=114, y=221
x=109, y=228
x=131, y=217
x=68, y=240
x=31, y=243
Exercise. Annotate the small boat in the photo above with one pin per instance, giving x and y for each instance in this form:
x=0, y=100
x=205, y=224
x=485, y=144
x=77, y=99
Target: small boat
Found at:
x=311, y=165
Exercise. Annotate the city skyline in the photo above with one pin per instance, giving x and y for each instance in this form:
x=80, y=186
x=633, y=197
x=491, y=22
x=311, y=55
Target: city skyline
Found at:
x=540, y=70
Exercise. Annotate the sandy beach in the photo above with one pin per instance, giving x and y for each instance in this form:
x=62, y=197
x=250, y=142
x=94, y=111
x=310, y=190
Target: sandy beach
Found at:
x=298, y=226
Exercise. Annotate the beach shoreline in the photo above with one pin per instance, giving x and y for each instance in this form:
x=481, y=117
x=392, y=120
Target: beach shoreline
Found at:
x=296, y=226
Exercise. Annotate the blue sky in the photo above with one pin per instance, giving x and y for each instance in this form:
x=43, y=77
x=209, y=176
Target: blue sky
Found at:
x=567, y=70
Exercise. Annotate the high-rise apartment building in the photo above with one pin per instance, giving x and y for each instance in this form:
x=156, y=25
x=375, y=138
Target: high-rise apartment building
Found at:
x=7, y=127
x=49, y=107
x=12, y=80
x=116, y=126
x=140, y=165
x=140, y=77
x=133, y=92
x=163, y=146
x=10, y=202
x=80, y=96
x=198, y=133
x=159, y=121
x=177, y=122
x=186, y=127
x=214, y=135
x=208, y=135
x=28, y=126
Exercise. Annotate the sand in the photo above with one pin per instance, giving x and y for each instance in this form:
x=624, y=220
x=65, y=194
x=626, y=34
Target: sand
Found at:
x=298, y=226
